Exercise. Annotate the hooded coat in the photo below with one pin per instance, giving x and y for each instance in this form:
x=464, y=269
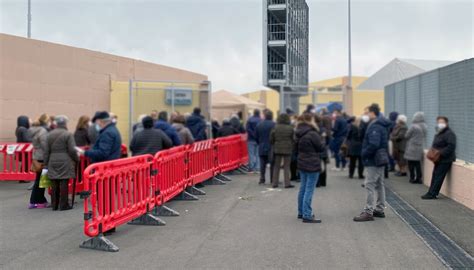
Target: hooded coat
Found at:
x=282, y=136
x=376, y=137
x=197, y=126
x=60, y=154
x=309, y=147
x=399, y=141
x=39, y=135
x=21, y=132
x=235, y=122
x=416, y=138
x=226, y=130
x=185, y=135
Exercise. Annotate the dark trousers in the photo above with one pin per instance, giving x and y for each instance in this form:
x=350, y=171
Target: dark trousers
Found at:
x=286, y=169
x=294, y=170
x=322, y=175
x=264, y=160
x=37, y=193
x=352, y=165
x=440, y=171
x=59, y=194
x=414, y=166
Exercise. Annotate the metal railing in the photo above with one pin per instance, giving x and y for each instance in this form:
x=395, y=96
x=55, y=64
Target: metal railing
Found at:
x=276, y=71
x=276, y=2
x=276, y=31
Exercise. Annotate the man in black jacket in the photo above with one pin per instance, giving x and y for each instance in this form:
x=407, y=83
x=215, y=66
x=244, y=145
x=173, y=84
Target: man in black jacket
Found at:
x=262, y=137
x=445, y=143
x=150, y=140
x=226, y=129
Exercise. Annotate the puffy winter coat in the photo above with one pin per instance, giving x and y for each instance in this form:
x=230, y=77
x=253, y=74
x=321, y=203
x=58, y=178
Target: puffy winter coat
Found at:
x=169, y=130
x=445, y=142
x=376, y=137
x=60, y=155
x=309, y=148
x=416, y=138
x=197, y=126
x=108, y=145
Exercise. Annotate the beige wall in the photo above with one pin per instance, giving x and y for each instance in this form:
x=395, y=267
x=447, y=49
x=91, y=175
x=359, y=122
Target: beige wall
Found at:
x=459, y=184
x=38, y=76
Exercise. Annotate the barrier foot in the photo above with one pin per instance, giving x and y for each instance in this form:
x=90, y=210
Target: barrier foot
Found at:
x=245, y=167
x=214, y=181
x=195, y=191
x=147, y=219
x=243, y=170
x=165, y=211
x=186, y=196
x=224, y=177
x=99, y=243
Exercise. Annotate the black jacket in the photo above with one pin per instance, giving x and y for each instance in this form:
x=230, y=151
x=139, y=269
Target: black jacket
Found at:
x=197, y=126
x=226, y=130
x=309, y=148
x=262, y=132
x=354, y=141
x=376, y=137
x=81, y=136
x=21, y=132
x=445, y=142
x=149, y=141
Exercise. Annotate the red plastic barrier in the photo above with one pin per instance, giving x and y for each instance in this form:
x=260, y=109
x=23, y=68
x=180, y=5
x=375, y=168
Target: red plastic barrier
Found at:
x=244, y=154
x=120, y=191
x=228, y=153
x=172, y=173
x=202, y=161
x=16, y=161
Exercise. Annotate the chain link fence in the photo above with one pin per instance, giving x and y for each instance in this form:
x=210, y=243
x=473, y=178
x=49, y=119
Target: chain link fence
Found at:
x=447, y=91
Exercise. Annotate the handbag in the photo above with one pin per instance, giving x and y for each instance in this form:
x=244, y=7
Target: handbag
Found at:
x=433, y=154
x=36, y=166
x=381, y=157
x=45, y=182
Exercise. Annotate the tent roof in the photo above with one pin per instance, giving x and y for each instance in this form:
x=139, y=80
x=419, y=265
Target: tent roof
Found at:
x=224, y=98
x=399, y=69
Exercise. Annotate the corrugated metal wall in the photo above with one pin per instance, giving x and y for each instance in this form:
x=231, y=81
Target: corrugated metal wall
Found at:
x=447, y=91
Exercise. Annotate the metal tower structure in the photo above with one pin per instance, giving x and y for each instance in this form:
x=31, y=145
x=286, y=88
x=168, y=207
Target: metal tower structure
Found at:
x=285, y=49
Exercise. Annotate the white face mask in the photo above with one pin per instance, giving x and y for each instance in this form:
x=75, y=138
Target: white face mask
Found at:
x=441, y=126
x=365, y=118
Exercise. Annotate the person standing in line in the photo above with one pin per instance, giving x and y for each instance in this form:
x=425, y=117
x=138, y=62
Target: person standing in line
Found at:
x=149, y=140
x=399, y=144
x=215, y=126
x=163, y=124
x=197, y=125
x=339, y=134
x=354, y=144
x=93, y=130
x=393, y=116
x=445, y=143
x=22, y=136
x=252, y=144
x=61, y=157
x=81, y=135
x=262, y=137
x=185, y=135
x=324, y=155
x=414, y=152
x=226, y=129
x=282, y=139
x=375, y=157
x=309, y=147
x=39, y=135
x=236, y=124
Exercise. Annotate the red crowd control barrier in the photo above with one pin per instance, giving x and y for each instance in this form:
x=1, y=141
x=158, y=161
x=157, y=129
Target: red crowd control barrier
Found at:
x=202, y=161
x=172, y=172
x=16, y=159
x=127, y=190
x=244, y=150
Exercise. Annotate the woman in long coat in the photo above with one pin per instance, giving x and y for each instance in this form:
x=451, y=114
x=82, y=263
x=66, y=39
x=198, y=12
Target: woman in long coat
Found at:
x=414, y=152
x=399, y=144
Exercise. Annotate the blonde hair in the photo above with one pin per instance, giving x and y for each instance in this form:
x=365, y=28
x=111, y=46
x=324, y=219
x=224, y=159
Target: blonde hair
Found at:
x=42, y=120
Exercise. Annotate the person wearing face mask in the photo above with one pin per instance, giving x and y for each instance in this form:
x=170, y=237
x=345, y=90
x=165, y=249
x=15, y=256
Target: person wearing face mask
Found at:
x=445, y=143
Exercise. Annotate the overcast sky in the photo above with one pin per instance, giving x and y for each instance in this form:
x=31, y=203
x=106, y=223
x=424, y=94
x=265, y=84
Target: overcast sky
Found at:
x=223, y=38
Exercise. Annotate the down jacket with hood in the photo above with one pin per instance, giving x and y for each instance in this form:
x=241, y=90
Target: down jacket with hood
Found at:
x=185, y=135
x=282, y=136
x=21, y=132
x=309, y=148
x=376, y=137
x=197, y=126
x=39, y=135
x=416, y=138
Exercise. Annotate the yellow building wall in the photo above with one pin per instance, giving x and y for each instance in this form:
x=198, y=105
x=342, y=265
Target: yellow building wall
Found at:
x=146, y=100
x=363, y=98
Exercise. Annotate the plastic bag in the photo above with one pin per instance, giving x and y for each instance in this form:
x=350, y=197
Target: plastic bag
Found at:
x=45, y=182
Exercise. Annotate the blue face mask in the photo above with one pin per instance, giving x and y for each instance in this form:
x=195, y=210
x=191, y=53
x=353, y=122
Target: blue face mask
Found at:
x=97, y=127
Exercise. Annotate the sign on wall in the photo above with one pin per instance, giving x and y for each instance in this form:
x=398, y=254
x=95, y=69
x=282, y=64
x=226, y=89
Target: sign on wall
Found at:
x=182, y=97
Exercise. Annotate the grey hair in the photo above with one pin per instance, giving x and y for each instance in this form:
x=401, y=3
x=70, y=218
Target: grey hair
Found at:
x=402, y=118
x=61, y=120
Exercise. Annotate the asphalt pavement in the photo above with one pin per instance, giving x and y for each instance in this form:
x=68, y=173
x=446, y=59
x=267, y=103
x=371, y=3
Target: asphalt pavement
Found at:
x=240, y=225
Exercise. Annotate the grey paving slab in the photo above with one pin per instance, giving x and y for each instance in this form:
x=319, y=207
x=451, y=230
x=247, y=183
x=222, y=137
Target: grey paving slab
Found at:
x=240, y=225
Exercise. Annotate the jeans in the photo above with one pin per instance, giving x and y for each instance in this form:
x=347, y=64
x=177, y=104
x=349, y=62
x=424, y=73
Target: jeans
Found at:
x=440, y=171
x=264, y=160
x=374, y=184
x=254, y=164
x=414, y=166
x=305, y=195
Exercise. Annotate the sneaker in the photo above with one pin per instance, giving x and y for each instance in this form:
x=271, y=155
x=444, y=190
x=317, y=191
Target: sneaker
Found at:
x=428, y=196
x=42, y=205
x=364, y=216
x=32, y=206
x=301, y=216
x=379, y=214
x=311, y=220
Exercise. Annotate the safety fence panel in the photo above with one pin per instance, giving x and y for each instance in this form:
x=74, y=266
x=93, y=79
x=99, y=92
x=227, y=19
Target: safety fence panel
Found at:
x=400, y=97
x=201, y=161
x=456, y=97
x=120, y=191
x=229, y=153
x=244, y=161
x=172, y=172
x=413, y=102
x=430, y=101
x=16, y=162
